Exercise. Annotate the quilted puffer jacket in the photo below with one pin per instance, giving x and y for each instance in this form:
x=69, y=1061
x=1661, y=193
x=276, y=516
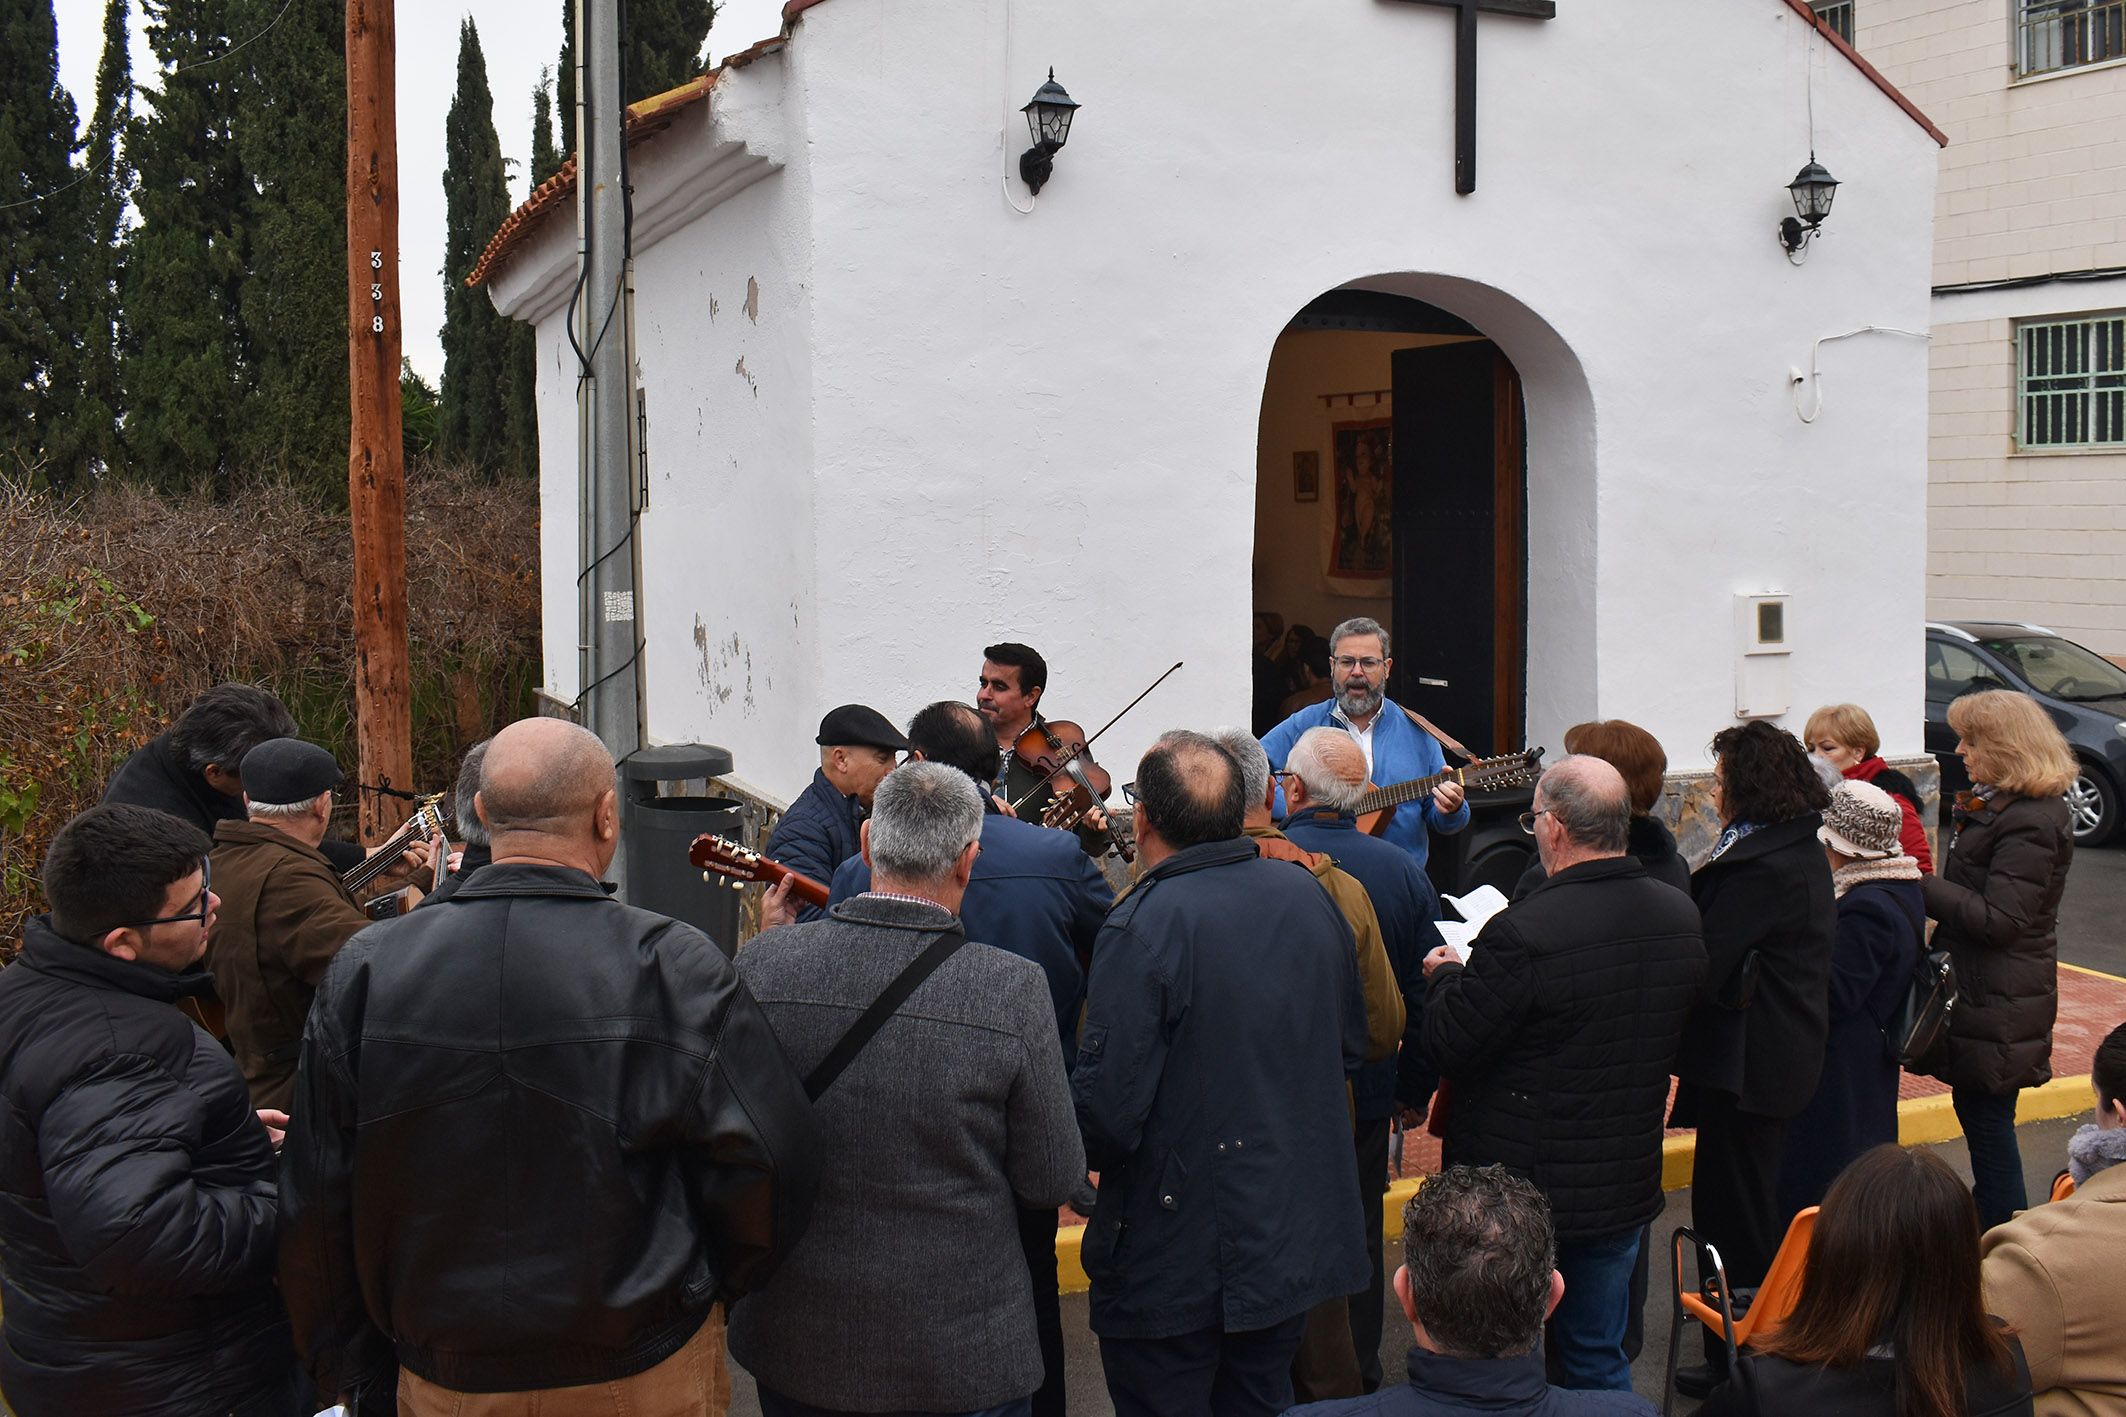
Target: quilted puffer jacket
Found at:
x=137, y=1201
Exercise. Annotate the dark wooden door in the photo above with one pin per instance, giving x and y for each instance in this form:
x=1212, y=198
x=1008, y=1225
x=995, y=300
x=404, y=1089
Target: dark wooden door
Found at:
x=1460, y=558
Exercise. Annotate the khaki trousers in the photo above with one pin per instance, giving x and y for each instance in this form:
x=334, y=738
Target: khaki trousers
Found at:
x=693, y=1382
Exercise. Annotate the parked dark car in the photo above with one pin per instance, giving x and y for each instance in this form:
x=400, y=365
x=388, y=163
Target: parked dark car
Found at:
x=2084, y=692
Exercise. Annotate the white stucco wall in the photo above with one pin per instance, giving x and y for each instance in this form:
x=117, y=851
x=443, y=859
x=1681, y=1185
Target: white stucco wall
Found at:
x=1043, y=426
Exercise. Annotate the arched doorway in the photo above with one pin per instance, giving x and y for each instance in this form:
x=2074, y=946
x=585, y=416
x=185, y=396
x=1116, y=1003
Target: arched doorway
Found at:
x=1391, y=482
x=1487, y=579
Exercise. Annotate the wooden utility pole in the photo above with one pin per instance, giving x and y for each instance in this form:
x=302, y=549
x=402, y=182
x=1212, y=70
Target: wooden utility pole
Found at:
x=376, y=471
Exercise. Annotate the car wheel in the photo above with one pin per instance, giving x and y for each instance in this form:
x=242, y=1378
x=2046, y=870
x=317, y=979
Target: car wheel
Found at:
x=2092, y=807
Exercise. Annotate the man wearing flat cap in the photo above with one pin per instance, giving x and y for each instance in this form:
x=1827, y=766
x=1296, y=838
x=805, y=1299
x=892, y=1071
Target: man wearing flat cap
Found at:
x=857, y=748
x=284, y=913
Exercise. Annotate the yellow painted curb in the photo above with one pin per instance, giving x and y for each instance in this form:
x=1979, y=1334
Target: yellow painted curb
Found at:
x=1921, y=1121
x=1070, y=1262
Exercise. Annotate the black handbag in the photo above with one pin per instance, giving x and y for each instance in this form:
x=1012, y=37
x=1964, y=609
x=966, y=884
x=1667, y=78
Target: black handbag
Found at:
x=1921, y=1019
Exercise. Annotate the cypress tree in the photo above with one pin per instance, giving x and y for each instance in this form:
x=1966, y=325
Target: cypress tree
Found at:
x=181, y=365
x=565, y=78
x=40, y=235
x=110, y=189
x=545, y=157
x=481, y=382
x=292, y=302
x=663, y=51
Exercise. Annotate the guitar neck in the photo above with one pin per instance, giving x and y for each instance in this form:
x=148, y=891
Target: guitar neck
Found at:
x=388, y=854
x=806, y=889
x=1395, y=794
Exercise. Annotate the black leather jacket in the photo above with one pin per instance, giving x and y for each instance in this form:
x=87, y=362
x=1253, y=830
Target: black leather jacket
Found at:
x=538, y=1134
x=136, y=1199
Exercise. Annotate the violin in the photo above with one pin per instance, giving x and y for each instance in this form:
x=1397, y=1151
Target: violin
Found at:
x=1061, y=752
x=1057, y=751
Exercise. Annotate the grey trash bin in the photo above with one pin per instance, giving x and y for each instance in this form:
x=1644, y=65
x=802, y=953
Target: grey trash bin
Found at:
x=658, y=831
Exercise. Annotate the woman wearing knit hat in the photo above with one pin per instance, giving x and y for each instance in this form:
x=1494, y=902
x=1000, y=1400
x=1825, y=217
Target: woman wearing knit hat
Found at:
x=1881, y=919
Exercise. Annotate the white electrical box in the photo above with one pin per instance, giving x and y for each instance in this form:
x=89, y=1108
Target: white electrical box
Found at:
x=1764, y=647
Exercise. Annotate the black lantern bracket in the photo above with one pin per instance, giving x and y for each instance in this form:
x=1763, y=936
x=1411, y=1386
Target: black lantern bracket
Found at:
x=1048, y=116
x=1812, y=189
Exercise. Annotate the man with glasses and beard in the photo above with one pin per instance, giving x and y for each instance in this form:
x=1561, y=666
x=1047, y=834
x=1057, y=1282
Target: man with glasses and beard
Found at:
x=1396, y=749
x=137, y=1245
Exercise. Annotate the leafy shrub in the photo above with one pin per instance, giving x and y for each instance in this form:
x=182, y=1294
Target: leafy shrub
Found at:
x=117, y=607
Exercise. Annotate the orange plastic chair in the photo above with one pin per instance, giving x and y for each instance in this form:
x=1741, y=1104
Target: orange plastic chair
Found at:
x=2062, y=1186
x=1764, y=1308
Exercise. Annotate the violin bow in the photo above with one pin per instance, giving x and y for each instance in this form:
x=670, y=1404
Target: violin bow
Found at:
x=1102, y=729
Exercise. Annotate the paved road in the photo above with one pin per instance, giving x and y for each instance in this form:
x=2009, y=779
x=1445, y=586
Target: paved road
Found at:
x=2093, y=911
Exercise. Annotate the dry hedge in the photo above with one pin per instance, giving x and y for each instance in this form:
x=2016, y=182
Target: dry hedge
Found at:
x=118, y=607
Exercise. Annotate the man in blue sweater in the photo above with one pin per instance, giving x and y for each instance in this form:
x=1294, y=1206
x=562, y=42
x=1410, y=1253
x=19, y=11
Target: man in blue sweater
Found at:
x=1478, y=1279
x=1396, y=749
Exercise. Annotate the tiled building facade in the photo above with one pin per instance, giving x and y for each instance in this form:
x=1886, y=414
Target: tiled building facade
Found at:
x=2027, y=484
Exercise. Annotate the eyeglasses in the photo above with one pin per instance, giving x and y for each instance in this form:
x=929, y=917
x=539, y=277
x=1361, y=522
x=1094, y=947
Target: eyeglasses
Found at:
x=1129, y=793
x=1528, y=819
x=196, y=917
x=1345, y=663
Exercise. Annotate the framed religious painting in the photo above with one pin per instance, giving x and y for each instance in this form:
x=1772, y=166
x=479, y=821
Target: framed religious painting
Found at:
x=1306, y=476
x=1362, y=544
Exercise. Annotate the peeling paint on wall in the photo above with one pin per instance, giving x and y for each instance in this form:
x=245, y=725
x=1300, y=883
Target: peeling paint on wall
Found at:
x=722, y=665
x=746, y=374
x=753, y=300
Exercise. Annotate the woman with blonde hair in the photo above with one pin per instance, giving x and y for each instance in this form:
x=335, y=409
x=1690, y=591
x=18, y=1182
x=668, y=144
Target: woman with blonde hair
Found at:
x=1844, y=736
x=1997, y=899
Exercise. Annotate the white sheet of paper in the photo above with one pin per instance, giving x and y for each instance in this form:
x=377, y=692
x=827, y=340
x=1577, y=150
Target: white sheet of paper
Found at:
x=1456, y=935
x=1478, y=906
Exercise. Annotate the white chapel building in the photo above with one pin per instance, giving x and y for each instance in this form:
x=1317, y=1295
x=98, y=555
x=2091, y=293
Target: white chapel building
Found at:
x=1587, y=437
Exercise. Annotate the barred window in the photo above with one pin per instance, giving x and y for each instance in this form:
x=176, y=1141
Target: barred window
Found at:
x=2071, y=384
x=2063, y=34
x=1838, y=14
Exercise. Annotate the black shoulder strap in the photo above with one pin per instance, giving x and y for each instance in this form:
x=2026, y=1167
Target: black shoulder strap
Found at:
x=845, y=1048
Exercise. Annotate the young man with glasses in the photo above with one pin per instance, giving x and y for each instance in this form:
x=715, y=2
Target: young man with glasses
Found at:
x=138, y=1244
x=1396, y=749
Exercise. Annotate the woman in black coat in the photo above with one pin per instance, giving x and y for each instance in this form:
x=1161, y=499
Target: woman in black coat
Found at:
x=1753, y=1048
x=1881, y=923
x=1998, y=899
x=1891, y=1321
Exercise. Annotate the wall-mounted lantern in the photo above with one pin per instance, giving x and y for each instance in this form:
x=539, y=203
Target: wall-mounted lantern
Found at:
x=1812, y=190
x=1048, y=115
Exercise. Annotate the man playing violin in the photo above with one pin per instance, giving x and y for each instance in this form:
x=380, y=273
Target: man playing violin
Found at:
x=1009, y=696
x=1396, y=749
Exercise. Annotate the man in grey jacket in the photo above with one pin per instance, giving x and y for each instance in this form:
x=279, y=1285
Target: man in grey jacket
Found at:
x=954, y=1115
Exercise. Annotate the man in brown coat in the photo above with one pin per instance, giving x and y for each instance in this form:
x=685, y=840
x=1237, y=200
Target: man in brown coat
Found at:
x=284, y=912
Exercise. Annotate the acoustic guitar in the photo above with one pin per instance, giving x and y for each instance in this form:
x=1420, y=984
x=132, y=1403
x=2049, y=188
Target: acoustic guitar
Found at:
x=427, y=821
x=728, y=858
x=1377, y=808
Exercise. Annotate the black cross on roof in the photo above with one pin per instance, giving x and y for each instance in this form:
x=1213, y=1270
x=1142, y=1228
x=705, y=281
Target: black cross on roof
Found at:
x=1465, y=72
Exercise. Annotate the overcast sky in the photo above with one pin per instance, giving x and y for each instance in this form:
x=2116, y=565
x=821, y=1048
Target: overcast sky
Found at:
x=518, y=36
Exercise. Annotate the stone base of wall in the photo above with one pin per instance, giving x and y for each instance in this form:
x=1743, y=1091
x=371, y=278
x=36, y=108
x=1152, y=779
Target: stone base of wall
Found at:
x=1686, y=805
